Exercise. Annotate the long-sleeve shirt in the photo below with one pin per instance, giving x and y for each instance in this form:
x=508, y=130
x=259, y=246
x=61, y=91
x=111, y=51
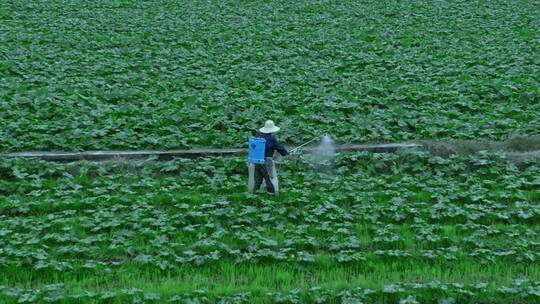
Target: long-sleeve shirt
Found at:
x=272, y=144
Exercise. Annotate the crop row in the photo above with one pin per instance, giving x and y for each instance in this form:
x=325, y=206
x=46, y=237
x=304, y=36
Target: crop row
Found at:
x=432, y=292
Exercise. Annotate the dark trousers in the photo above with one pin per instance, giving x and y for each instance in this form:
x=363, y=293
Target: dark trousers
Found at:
x=261, y=173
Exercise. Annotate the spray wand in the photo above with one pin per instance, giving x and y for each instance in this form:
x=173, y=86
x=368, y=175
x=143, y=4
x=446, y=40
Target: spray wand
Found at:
x=294, y=150
x=304, y=144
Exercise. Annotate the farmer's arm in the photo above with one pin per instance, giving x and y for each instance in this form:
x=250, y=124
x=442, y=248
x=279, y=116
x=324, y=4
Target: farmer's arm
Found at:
x=279, y=147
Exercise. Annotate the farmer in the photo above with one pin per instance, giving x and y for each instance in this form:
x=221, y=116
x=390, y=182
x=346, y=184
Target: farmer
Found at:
x=266, y=171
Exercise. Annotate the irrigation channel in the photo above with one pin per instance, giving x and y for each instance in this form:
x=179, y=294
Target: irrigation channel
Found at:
x=195, y=153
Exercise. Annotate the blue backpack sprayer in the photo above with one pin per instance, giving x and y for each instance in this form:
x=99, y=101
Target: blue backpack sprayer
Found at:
x=256, y=150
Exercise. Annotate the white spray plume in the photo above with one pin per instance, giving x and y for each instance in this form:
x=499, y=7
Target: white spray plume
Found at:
x=326, y=149
x=323, y=154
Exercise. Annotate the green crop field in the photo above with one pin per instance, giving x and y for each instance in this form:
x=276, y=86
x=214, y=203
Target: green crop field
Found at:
x=403, y=228
x=80, y=75
x=407, y=228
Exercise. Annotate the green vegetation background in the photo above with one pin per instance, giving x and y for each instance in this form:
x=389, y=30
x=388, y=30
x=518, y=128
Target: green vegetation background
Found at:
x=80, y=75
x=381, y=228
x=403, y=228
